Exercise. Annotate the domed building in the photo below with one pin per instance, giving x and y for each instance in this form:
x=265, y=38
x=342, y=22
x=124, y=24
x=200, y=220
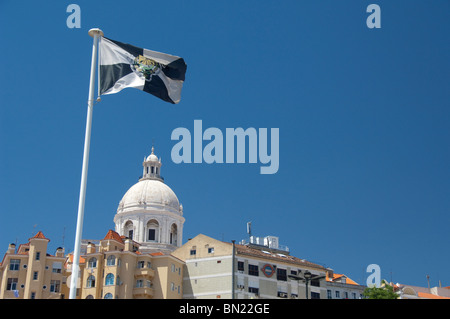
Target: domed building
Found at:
x=150, y=212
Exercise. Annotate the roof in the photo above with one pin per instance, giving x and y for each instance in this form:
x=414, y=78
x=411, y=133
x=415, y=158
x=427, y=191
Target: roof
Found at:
x=338, y=277
x=39, y=235
x=113, y=235
x=249, y=251
x=430, y=296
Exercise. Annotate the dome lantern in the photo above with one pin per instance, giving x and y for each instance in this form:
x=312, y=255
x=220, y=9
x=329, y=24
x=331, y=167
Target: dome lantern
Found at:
x=152, y=167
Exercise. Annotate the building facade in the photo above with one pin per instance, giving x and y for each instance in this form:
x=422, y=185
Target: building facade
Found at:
x=30, y=272
x=216, y=269
x=340, y=286
x=115, y=268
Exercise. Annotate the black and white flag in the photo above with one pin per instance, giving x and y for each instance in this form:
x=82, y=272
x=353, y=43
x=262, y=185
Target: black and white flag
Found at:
x=123, y=65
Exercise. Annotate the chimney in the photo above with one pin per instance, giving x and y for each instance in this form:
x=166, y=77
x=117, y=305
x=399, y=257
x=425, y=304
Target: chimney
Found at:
x=11, y=249
x=59, y=252
x=330, y=273
x=90, y=248
x=128, y=245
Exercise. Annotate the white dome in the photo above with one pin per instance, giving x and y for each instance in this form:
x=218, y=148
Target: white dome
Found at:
x=149, y=192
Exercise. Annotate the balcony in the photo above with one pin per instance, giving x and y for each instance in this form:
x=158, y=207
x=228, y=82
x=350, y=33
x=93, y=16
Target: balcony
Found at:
x=144, y=273
x=142, y=292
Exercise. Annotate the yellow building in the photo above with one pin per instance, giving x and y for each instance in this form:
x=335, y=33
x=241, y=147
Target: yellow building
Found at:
x=115, y=268
x=30, y=272
x=134, y=261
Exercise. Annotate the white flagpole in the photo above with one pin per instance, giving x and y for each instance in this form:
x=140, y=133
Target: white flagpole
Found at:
x=95, y=33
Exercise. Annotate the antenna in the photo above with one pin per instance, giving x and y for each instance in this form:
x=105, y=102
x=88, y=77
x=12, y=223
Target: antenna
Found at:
x=34, y=230
x=428, y=279
x=63, y=236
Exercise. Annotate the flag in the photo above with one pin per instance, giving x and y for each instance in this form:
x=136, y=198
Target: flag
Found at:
x=16, y=293
x=123, y=65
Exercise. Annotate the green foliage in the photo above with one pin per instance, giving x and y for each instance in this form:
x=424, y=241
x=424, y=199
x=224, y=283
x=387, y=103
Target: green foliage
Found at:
x=383, y=292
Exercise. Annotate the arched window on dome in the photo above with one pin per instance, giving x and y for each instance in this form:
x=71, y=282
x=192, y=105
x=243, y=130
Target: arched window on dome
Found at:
x=128, y=229
x=153, y=230
x=108, y=296
x=174, y=234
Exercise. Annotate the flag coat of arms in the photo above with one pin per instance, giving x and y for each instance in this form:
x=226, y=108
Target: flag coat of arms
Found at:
x=123, y=66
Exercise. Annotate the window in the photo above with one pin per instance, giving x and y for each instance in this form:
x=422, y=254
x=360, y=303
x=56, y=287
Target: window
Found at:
x=55, y=285
x=253, y=270
x=130, y=234
x=282, y=294
x=329, y=296
x=151, y=234
x=172, y=286
x=35, y=275
x=140, y=264
x=346, y=295
x=193, y=252
x=139, y=283
x=11, y=284
x=56, y=267
x=354, y=295
x=253, y=290
x=281, y=274
x=315, y=295
x=38, y=255
x=338, y=294
x=210, y=250
x=108, y=296
x=90, y=282
x=14, y=264
x=109, y=281
x=92, y=263
x=111, y=260
x=240, y=266
x=315, y=283
x=33, y=295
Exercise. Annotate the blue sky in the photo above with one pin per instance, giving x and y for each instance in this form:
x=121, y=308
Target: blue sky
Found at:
x=363, y=116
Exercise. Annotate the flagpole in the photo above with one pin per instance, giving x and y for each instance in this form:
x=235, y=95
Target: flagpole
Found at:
x=95, y=33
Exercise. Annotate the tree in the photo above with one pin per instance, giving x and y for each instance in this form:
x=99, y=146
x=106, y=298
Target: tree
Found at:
x=385, y=291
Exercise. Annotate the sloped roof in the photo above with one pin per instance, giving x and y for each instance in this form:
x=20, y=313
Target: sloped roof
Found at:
x=39, y=235
x=249, y=251
x=338, y=277
x=113, y=235
x=430, y=296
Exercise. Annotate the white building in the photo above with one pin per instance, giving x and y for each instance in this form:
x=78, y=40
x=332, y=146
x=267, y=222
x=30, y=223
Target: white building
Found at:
x=214, y=269
x=149, y=212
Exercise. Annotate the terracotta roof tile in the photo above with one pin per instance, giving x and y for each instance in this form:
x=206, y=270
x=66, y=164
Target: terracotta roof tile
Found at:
x=39, y=235
x=430, y=296
x=157, y=254
x=113, y=235
x=348, y=281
